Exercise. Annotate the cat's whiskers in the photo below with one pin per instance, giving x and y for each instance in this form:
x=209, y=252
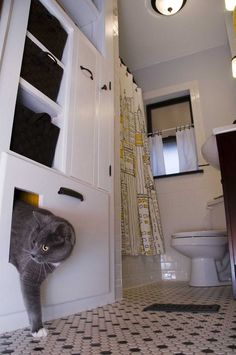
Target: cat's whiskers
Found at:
x=26, y=264
x=49, y=266
x=25, y=261
x=40, y=269
x=44, y=269
x=27, y=251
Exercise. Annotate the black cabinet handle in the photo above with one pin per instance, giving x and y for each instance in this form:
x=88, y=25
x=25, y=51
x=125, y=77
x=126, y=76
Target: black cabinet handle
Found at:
x=72, y=193
x=91, y=74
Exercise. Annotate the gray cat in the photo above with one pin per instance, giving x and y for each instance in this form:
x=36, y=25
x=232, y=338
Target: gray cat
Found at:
x=40, y=241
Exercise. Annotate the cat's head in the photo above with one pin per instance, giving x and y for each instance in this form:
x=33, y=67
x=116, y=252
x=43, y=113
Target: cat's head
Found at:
x=52, y=240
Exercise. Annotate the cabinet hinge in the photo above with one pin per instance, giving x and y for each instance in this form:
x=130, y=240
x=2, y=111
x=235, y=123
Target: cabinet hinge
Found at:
x=109, y=170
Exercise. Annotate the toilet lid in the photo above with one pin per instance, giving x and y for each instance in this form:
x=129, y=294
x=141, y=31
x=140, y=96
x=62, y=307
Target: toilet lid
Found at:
x=205, y=233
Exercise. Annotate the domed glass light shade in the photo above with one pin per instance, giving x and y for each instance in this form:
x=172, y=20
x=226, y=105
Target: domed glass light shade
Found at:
x=167, y=7
x=230, y=5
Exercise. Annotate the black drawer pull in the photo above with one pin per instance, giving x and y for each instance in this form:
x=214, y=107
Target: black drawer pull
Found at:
x=91, y=74
x=72, y=193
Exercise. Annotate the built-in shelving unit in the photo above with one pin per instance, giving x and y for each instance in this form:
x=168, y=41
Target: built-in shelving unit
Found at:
x=32, y=98
x=88, y=15
x=82, y=13
x=82, y=162
x=35, y=100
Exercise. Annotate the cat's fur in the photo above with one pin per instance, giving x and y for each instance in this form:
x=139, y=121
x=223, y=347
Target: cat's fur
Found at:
x=40, y=241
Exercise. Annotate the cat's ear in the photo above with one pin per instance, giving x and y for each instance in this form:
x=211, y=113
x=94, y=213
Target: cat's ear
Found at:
x=40, y=217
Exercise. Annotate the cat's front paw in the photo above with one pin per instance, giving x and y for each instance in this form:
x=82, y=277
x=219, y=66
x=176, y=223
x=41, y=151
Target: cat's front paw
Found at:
x=40, y=333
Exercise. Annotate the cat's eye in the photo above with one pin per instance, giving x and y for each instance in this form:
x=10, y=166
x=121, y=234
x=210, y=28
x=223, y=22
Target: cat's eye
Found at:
x=45, y=247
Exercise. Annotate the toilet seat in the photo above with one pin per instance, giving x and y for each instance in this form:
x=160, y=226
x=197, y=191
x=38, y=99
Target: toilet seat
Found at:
x=201, y=234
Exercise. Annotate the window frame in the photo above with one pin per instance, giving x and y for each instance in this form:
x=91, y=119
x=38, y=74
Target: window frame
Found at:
x=175, y=92
x=164, y=103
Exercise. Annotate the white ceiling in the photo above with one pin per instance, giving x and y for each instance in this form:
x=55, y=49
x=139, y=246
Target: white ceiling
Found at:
x=147, y=39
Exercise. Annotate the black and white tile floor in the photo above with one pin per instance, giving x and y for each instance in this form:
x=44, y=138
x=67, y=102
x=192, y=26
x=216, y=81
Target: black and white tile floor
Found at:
x=124, y=328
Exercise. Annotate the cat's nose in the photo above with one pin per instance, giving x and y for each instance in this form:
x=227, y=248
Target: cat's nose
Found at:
x=33, y=255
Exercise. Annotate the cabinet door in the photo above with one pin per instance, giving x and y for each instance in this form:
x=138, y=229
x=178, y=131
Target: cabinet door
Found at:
x=226, y=144
x=105, y=135
x=85, y=273
x=104, y=127
x=85, y=101
x=10, y=67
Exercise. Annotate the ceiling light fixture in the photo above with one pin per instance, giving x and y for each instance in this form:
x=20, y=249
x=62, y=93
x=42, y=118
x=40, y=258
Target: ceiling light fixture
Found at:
x=230, y=5
x=167, y=7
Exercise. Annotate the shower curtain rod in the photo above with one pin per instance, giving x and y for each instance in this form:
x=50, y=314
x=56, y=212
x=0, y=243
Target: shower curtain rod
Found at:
x=178, y=128
x=128, y=71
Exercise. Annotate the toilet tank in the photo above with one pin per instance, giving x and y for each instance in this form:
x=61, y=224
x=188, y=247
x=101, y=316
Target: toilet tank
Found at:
x=217, y=213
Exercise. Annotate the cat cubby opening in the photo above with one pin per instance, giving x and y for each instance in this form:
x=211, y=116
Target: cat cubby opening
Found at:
x=27, y=196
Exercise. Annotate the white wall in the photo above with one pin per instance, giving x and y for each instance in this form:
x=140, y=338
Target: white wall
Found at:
x=212, y=70
x=183, y=199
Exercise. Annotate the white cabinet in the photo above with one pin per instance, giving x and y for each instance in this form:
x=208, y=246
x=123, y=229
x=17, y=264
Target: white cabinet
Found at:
x=85, y=105
x=19, y=89
x=10, y=69
x=86, y=273
x=84, y=113
x=105, y=127
x=88, y=15
x=93, y=117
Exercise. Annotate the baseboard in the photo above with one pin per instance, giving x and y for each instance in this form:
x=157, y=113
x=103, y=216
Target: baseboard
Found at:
x=19, y=320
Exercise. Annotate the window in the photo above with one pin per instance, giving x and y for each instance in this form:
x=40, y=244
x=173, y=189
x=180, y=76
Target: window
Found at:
x=170, y=153
x=172, y=121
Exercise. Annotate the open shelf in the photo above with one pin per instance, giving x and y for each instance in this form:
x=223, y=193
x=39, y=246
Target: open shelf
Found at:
x=35, y=100
x=41, y=46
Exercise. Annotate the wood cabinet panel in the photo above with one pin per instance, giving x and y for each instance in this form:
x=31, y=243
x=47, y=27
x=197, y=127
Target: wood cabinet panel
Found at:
x=226, y=144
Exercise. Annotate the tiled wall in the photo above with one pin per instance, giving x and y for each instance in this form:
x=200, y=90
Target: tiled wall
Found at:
x=140, y=270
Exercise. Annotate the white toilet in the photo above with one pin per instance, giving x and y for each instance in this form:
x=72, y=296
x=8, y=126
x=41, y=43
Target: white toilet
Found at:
x=208, y=250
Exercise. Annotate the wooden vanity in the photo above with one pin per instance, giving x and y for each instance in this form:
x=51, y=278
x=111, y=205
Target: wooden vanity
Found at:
x=226, y=143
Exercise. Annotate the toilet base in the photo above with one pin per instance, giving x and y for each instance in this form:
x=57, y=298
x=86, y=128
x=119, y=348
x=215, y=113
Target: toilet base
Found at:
x=204, y=273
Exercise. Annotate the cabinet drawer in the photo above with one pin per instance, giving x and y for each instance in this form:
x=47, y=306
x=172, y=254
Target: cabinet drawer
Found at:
x=47, y=29
x=41, y=70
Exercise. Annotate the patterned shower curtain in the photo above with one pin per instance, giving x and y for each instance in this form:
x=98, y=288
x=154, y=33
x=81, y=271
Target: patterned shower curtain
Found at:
x=140, y=217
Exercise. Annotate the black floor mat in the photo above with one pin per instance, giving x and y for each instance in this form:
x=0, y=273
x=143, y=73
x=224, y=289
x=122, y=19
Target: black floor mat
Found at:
x=194, y=308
